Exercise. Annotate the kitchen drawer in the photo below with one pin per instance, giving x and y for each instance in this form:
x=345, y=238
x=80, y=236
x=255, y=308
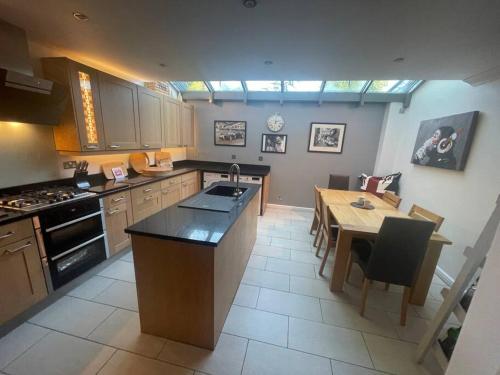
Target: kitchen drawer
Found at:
x=189, y=176
x=147, y=205
x=170, y=181
x=13, y=232
x=142, y=191
x=170, y=195
x=116, y=199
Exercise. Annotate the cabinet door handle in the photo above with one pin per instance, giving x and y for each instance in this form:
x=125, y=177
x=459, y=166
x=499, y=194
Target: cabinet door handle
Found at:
x=12, y=251
x=114, y=200
x=148, y=198
x=112, y=212
x=114, y=146
x=7, y=235
x=91, y=146
x=147, y=190
x=165, y=192
x=146, y=146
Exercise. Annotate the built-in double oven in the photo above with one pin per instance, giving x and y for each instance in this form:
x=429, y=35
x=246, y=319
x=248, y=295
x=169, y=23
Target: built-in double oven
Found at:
x=72, y=238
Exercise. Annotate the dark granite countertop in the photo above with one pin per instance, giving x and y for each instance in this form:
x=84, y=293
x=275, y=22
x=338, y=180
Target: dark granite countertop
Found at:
x=202, y=227
x=103, y=187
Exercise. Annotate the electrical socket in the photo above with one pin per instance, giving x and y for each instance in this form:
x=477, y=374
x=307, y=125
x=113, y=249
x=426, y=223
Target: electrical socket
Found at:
x=261, y=158
x=280, y=198
x=69, y=164
x=233, y=157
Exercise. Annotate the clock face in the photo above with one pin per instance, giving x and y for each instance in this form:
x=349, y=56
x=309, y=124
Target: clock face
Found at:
x=275, y=122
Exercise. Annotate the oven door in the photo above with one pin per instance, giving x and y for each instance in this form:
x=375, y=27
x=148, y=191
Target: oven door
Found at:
x=68, y=265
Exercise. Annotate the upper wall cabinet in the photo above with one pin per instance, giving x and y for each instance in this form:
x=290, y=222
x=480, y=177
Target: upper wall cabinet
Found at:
x=150, y=118
x=120, y=113
x=107, y=113
x=81, y=127
x=187, y=121
x=172, y=122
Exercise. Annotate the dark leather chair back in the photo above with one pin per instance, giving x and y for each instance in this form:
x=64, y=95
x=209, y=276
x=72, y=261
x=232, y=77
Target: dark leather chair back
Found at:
x=338, y=182
x=399, y=250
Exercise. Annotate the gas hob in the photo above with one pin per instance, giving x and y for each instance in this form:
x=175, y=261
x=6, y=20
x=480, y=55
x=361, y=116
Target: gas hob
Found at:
x=32, y=200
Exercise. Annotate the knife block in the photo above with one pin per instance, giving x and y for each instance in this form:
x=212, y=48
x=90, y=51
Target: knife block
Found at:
x=81, y=180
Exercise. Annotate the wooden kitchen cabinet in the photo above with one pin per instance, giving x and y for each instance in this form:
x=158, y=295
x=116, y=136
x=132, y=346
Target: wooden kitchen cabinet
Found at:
x=81, y=127
x=118, y=216
x=146, y=201
x=150, y=118
x=120, y=113
x=187, y=124
x=190, y=184
x=170, y=195
x=171, y=122
x=22, y=283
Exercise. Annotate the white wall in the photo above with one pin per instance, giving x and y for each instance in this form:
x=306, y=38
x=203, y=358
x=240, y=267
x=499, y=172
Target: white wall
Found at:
x=465, y=198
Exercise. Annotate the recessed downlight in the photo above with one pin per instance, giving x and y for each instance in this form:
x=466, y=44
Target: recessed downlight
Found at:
x=80, y=16
x=268, y=62
x=163, y=65
x=249, y=3
x=399, y=59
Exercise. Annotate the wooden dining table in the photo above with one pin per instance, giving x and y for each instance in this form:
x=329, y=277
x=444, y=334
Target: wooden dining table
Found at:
x=362, y=223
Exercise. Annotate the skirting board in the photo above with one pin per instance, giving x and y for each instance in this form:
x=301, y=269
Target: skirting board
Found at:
x=285, y=207
x=445, y=278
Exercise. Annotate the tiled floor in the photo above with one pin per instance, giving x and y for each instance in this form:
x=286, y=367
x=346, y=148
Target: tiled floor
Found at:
x=284, y=320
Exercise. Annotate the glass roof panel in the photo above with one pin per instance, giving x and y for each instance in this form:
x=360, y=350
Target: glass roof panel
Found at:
x=404, y=86
x=263, y=85
x=305, y=86
x=190, y=85
x=344, y=86
x=382, y=86
x=226, y=85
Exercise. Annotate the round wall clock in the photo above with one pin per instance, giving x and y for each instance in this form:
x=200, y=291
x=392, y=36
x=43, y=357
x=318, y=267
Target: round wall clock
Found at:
x=275, y=122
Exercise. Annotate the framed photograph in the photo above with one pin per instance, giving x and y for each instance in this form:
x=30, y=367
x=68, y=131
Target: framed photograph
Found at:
x=275, y=143
x=445, y=142
x=230, y=133
x=326, y=137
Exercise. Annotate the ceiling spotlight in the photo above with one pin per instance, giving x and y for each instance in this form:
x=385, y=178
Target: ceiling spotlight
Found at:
x=399, y=59
x=249, y=3
x=268, y=62
x=163, y=65
x=80, y=16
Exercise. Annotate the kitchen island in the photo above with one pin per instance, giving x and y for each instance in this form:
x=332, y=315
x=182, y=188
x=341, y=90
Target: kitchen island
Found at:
x=189, y=260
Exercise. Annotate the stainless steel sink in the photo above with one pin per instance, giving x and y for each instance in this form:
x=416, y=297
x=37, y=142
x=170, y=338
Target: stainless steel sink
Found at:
x=225, y=191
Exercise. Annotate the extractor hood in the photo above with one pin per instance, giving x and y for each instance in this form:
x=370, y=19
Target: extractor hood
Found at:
x=24, y=98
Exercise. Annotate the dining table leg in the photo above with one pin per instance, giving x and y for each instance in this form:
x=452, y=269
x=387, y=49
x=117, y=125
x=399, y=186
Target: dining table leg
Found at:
x=344, y=240
x=426, y=273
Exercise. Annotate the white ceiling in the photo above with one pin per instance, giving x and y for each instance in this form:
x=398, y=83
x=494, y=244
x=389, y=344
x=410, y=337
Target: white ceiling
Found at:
x=306, y=39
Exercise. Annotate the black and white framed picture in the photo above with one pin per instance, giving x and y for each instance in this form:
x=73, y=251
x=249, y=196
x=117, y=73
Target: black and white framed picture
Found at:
x=230, y=133
x=275, y=143
x=326, y=137
x=445, y=142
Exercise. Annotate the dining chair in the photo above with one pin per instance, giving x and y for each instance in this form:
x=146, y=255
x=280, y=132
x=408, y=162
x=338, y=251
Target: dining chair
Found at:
x=418, y=212
x=316, y=223
x=338, y=182
x=394, y=257
x=392, y=199
x=329, y=232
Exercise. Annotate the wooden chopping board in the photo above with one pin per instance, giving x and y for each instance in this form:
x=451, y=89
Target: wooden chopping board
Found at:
x=139, y=161
x=156, y=171
x=106, y=169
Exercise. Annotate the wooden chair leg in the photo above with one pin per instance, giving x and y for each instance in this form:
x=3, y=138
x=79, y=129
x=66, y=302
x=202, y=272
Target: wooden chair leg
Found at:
x=404, y=305
x=387, y=285
x=364, y=295
x=314, y=224
x=349, y=268
x=320, y=242
x=318, y=232
x=329, y=246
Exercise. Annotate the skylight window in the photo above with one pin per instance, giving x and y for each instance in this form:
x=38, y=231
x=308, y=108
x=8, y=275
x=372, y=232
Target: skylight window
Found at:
x=382, y=86
x=344, y=86
x=304, y=86
x=264, y=86
x=404, y=86
x=226, y=85
x=190, y=86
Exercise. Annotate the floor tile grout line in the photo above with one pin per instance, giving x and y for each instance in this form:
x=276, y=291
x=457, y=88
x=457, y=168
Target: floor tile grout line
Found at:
x=109, y=286
x=106, y=362
x=258, y=296
x=29, y=347
x=368, y=350
x=245, y=356
x=102, y=322
x=101, y=303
